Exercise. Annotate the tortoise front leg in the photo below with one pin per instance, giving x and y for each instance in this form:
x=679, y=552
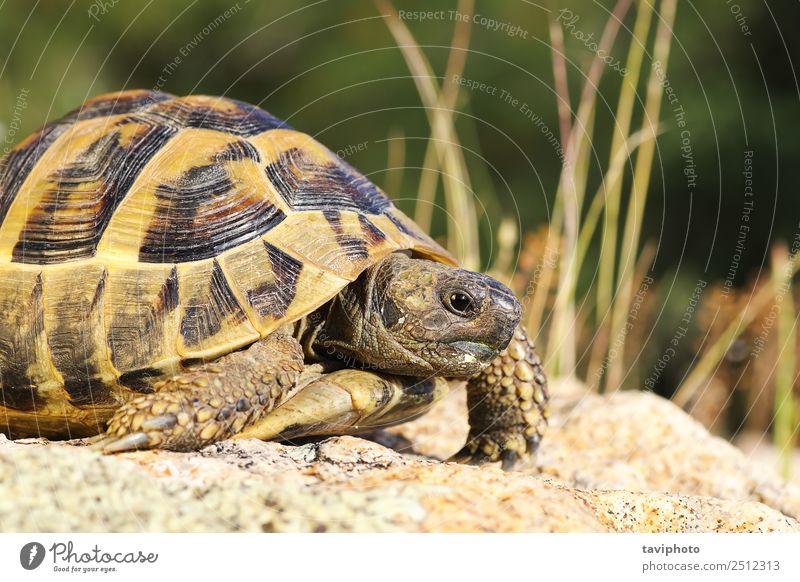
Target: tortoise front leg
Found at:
x=507, y=406
x=348, y=402
x=210, y=402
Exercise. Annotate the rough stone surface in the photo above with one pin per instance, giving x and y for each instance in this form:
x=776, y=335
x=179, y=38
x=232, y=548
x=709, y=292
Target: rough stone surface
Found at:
x=629, y=462
x=629, y=441
x=639, y=441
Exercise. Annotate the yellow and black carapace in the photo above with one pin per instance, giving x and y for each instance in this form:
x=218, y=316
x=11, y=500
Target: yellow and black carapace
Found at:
x=160, y=261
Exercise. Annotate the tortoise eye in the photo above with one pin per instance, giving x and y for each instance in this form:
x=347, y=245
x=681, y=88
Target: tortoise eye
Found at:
x=459, y=303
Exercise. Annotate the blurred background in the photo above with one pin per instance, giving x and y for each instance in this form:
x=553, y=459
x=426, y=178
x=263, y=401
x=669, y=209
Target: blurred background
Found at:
x=629, y=167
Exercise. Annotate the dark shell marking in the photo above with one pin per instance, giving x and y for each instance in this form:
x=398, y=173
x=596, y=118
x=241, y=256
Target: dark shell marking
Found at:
x=273, y=297
x=204, y=214
x=15, y=167
x=239, y=150
x=354, y=247
x=153, y=307
x=80, y=212
x=74, y=343
x=218, y=114
x=307, y=185
x=116, y=104
x=19, y=336
x=373, y=234
x=204, y=318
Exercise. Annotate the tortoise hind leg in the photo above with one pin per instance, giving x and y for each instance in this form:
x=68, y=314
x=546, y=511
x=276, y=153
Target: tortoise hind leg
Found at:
x=210, y=402
x=348, y=402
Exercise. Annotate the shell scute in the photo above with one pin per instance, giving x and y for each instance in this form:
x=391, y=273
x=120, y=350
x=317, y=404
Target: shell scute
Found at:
x=204, y=193
x=214, y=113
x=142, y=321
x=211, y=317
x=310, y=177
x=65, y=204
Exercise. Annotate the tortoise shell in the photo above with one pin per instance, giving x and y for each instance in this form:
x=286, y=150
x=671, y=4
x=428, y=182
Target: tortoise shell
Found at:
x=144, y=230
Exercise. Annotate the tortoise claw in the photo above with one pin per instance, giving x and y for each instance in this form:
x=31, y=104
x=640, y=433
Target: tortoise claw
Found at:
x=533, y=444
x=130, y=442
x=163, y=422
x=466, y=456
x=509, y=460
x=106, y=443
x=95, y=439
x=509, y=449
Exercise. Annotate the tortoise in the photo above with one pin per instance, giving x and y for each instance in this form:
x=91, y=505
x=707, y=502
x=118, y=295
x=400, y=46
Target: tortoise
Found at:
x=175, y=271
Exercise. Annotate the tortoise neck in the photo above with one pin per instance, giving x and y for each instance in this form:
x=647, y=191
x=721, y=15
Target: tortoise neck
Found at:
x=336, y=329
x=309, y=331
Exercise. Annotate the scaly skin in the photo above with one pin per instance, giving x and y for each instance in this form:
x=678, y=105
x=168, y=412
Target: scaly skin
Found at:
x=211, y=402
x=349, y=402
x=235, y=396
x=507, y=406
x=408, y=317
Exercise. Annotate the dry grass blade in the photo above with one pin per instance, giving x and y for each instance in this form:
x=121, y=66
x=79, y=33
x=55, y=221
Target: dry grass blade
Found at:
x=561, y=352
x=599, y=342
x=592, y=84
x=507, y=239
x=641, y=181
x=569, y=200
x=784, y=424
x=396, y=160
x=462, y=216
x=622, y=125
x=560, y=75
x=429, y=177
x=613, y=175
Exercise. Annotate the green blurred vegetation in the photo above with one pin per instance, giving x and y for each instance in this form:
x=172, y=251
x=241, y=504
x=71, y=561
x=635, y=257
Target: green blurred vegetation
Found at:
x=333, y=69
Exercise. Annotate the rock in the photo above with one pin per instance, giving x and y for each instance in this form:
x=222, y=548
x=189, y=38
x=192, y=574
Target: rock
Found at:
x=628, y=441
x=626, y=462
x=639, y=441
x=758, y=446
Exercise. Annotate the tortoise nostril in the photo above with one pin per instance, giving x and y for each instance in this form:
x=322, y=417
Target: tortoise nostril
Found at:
x=507, y=303
x=502, y=298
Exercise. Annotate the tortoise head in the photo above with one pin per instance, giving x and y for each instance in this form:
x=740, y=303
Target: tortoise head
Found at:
x=417, y=317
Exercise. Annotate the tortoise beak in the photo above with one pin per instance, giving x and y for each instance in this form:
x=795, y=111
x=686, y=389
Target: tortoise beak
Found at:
x=506, y=313
x=481, y=352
